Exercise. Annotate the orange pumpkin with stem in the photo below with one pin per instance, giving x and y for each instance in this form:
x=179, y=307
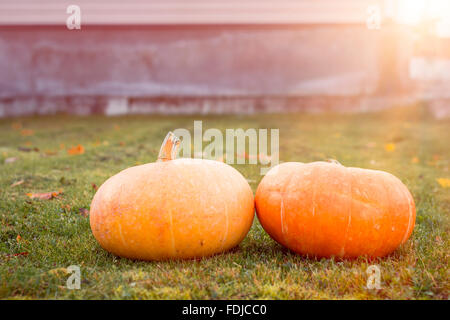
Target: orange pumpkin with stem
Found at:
x=325, y=209
x=173, y=208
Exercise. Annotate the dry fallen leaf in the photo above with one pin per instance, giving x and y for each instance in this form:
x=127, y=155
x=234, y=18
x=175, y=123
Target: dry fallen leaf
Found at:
x=27, y=132
x=24, y=149
x=44, y=196
x=415, y=160
x=444, y=182
x=50, y=153
x=17, y=183
x=16, y=125
x=66, y=207
x=20, y=254
x=84, y=212
x=79, y=149
x=59, y=272
x=437, y=157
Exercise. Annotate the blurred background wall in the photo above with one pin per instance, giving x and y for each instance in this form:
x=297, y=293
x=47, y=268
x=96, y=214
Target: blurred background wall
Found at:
x=211, y=56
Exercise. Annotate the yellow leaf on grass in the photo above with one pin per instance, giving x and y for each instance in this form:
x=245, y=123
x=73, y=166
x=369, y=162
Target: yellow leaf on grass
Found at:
x=389, y=147
x=443, y=182
x=59, y=272
x=415, y=160
x=337, y=135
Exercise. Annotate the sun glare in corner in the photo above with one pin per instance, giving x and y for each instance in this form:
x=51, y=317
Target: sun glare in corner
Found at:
x=413, y=12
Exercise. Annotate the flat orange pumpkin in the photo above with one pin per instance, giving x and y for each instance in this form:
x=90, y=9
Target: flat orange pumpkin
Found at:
x=324, y=209
x=173, y=208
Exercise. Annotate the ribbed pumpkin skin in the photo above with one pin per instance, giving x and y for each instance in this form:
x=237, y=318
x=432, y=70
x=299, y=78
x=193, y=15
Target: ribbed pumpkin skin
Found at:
x=325, y=209
x=179, y=209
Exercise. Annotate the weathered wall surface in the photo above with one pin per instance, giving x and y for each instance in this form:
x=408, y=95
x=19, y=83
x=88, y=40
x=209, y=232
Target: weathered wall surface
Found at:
x=190, y=69
x=191, y=61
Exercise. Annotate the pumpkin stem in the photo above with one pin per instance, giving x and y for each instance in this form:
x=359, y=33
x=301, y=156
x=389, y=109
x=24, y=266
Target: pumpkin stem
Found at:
x=169, y=148
x=334, y=161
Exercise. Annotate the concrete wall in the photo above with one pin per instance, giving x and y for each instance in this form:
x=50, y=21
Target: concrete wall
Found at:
x=192, y=61
x=122, y=69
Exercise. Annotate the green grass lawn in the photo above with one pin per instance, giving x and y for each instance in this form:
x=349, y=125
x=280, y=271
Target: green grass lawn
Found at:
x=38, y=236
